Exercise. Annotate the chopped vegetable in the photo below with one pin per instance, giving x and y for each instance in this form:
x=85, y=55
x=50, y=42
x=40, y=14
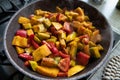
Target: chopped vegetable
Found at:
x=64, y=64
x=67, y=28
x=21, y=33
x=30, y=32
x=49, y=62
x=73, y=50
x=62, y=74
x=37, y=39
x=29, y=50
x=43, y=36
x=63, y=55
x=61, y=17
x=82, y=58
x=27, y=25
x=61, y=34
x=57, y=25
x=72, y=63
x=95, y=52
x=71, y=36
x=19, y=50
x=33, y=65
x=75, y=69
x=39, y=28
x=48, y=71
x=41, y=52
x=35, y=45
x=47, y=23
x=20, y=41
x=25, y=56
x=96, y=37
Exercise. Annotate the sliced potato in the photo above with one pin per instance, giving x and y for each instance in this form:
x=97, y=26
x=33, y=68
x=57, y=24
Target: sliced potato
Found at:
x=23, y=20
x=75, y=69
x=48, y=71
x=41, y=52
x=20, y=41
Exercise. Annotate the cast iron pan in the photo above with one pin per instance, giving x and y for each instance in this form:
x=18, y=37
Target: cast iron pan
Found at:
x=95, y=16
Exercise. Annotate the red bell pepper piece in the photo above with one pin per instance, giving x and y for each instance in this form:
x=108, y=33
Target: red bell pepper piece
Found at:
x=63, y=55
x=35, y=45
x=47, y=44
x=21, y=33
x=32, y=41
x=58, y=17
x=67, y=28
x=55, y=50
x=62, y=74
x=84, y=39
x=64, y=64
x=52, y=47
x=31, y=37
x=82, y=58
x=53, y=30
x=26, y=63
x=84, y=36
x=61, y=17
x=25, y=56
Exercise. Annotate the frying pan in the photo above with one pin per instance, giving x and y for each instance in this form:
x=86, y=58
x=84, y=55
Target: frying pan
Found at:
x=95, y=16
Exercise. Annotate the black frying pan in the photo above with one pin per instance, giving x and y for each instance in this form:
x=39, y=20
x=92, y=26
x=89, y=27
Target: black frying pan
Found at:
x=96, y=17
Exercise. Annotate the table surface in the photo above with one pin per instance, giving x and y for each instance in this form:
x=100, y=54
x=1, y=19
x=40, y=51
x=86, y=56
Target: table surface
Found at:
x=112, y=14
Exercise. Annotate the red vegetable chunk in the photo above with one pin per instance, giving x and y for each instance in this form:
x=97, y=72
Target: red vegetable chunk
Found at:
x=52, y=47
x=21, y=33
x=67, y=28
x=64, y=55
x=84, y=39
x=26, y=56
x=83, y=58
x=54, y=50
x=62, y=74
x=35, y=45
x=31, y=37
x=64, y=64
x=47, y=44
x=26, y=63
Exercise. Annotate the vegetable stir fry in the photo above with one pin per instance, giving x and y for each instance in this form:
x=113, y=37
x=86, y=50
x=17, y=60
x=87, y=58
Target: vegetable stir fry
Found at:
x=57, y=44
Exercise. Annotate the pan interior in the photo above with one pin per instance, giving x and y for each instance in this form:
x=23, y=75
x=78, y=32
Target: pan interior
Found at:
x=95, y=16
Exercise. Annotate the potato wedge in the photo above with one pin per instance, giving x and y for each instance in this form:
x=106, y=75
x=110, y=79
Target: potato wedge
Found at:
x=48, y=71
x=41, y=52
x=75, y=69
